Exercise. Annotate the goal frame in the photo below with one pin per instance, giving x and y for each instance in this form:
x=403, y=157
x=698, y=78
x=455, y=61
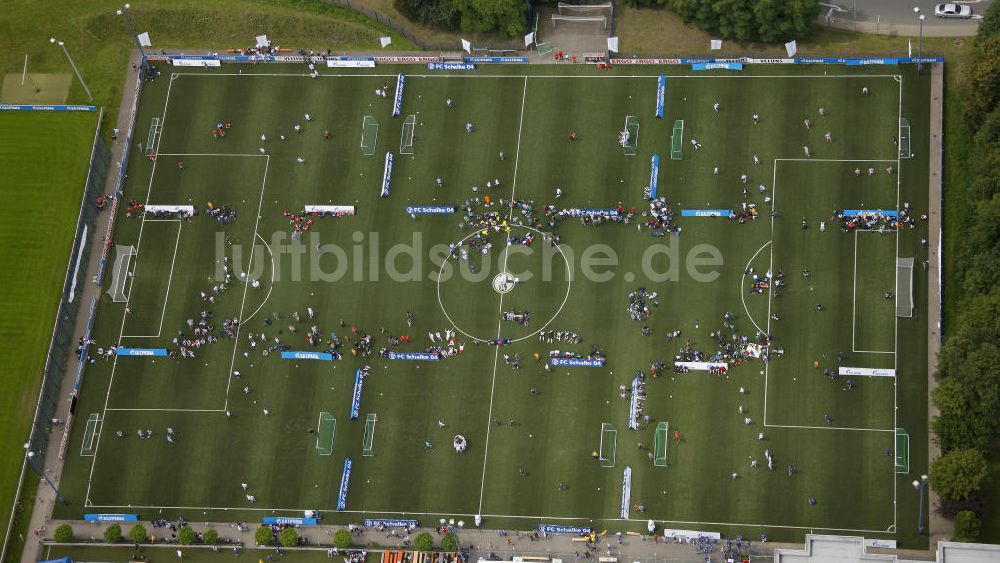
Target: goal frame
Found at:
x=904, y=138
x=407, y=135
x=369, y=438
x=369, y=132
x=677, y=140
x=328, y=418
x=660, y=442
x=609, y=431
x=632, y=126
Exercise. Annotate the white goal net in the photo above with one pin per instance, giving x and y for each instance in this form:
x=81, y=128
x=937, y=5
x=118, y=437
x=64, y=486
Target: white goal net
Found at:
x=590, y=15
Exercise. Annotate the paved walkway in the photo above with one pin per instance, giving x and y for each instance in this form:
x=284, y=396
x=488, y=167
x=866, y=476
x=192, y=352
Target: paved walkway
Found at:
x=940, y=528
x=42, y=511
x=894, y=17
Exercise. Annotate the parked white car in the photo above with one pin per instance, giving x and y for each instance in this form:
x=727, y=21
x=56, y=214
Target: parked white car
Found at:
x=953, y=11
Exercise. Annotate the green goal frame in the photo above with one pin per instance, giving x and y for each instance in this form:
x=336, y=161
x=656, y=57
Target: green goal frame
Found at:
x=677, y=140
x=89, y=446
x=326, y=431
x=660, y=444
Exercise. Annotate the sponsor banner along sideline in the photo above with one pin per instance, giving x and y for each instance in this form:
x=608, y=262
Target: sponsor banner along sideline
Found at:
x=111, y=517
x=451, y=66
x=701, y=366
x=576, y=363
x=291, y=520
x=341, y=63
x=559, y=529
x=413, y=356
x=44, y=107
x=706, y=212
x=496, y=59
x=323, y=356
x=429, y=209
x=867, y=372
x=335, y=209
x=156, y=352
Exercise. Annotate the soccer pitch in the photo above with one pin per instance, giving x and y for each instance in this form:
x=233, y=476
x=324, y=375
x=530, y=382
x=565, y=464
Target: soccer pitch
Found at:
x=543, y=445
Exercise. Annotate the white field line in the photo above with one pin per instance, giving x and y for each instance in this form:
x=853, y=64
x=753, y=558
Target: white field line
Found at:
x=503, y=268
x=246, y=284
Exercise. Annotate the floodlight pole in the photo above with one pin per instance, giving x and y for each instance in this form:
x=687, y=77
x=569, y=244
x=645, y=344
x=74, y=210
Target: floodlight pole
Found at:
x=62, y=44
x=920, y=48
x=30, y=455
x=920, y=486
x=128, y=21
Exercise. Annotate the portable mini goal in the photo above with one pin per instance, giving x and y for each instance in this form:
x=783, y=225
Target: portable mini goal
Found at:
x=326, y=429
x=660, y=444
x=630, y=143
x=366, y=442
x=369, y=135
x=904, y=287
x=609, y=446
x=406, y=139
x=904, y=138
x=677, y=140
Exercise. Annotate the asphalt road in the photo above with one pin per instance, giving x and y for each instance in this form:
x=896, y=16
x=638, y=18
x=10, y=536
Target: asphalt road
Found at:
x=897, y=17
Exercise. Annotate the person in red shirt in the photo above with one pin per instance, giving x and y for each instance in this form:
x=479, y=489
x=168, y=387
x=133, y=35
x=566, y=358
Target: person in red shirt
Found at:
x=572, y=136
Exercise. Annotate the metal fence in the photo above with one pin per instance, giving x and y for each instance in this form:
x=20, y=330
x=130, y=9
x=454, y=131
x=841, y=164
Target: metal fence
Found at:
x=489, y=46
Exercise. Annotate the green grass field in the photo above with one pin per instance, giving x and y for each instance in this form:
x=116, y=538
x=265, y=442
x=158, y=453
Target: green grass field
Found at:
x=387, y=263
x=45, y=159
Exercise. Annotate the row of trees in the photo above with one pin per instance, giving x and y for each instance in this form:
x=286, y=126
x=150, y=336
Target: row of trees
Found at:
x=138, y=534
x=743, y=20
x=968, y=392
x=509, y=17
x=287, y=537
x=769, y=21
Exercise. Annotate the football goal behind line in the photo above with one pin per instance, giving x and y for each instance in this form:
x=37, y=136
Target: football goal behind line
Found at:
x=89, y=446
x=583, y=13
x=902, y=451
x=119, y=273
x=904, y=287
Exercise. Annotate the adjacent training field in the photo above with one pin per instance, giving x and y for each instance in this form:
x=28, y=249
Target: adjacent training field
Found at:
x=543, y=445
x=45, y=157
